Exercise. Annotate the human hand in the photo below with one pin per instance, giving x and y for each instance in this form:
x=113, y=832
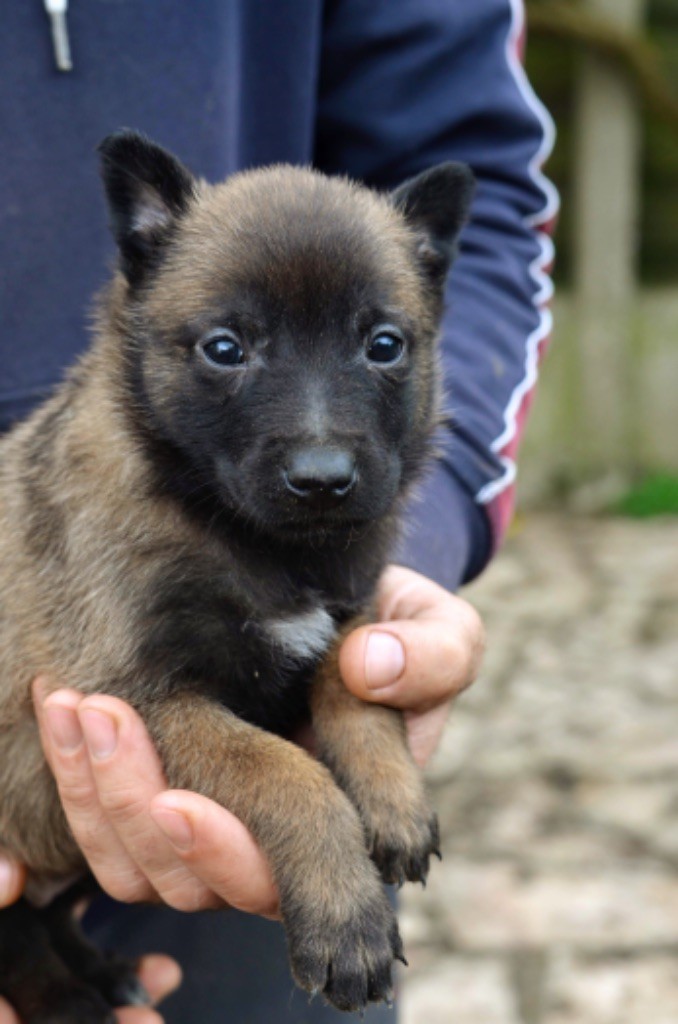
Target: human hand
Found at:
x=160, y=975
x=425, y=649
x=144, y=842
x=128, y=777
x=12, y=881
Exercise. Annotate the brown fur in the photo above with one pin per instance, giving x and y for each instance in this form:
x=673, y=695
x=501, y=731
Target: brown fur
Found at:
x=89, y=542
x=366, y=749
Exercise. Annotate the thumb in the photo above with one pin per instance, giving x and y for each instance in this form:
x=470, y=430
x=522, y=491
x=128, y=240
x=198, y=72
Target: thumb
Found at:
x=12, y=879
x=411, y=664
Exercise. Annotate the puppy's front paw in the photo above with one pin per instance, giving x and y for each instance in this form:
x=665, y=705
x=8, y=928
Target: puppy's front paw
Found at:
x=348, y=958
x=402, y=847
x=400, y=831
x=399, y=828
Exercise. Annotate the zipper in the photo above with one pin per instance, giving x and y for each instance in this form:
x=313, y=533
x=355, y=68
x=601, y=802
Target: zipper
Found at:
x=56, y=11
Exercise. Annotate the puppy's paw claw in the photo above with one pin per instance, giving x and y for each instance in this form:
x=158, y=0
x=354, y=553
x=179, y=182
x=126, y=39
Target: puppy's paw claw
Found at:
x=350, y=963
x=406, y=857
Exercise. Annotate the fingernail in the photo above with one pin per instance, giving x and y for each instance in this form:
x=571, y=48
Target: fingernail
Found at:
x=384, y=660
x=101, y=732
x=175, y=826
x=7, y=882
x=64, y=727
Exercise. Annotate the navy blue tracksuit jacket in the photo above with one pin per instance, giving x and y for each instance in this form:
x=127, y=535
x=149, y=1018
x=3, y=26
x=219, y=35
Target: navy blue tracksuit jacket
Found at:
x=377, y=89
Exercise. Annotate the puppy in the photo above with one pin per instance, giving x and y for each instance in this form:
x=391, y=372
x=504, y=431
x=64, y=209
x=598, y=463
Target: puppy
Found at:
x=195, y=520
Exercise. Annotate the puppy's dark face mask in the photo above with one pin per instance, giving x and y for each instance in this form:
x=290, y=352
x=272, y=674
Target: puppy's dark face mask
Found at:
x=280, y=332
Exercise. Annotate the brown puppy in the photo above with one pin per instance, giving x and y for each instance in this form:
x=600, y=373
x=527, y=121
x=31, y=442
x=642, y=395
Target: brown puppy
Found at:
x=199, y=514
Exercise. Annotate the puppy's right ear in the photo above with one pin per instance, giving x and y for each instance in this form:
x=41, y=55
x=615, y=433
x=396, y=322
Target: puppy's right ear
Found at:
x=147, y=190
x=436, y=204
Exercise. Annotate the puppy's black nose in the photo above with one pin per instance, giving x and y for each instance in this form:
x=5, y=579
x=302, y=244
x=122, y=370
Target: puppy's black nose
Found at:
x=320, y=476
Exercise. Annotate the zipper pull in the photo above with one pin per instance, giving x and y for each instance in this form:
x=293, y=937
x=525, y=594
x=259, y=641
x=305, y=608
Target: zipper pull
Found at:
x=56, y=9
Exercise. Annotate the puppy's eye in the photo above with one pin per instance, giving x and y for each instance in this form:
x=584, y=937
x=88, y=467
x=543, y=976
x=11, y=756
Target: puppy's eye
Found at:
x=385, y=347
x=223, y=349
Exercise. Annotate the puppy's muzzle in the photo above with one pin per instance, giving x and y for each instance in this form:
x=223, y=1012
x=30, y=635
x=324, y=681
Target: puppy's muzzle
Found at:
x=320, y=477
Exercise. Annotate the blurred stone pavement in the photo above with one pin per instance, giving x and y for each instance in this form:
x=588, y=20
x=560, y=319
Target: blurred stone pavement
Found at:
x=557, y=789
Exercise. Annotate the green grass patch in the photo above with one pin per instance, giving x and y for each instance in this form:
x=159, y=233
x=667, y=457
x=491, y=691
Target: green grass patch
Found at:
x=656, y=495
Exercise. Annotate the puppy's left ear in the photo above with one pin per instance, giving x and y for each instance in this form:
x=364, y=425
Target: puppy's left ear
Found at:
x=147, y=190
x=436, y=203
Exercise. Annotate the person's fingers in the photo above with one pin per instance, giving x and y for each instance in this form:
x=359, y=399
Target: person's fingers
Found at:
x=109, y=814
x=426, y=649
x=129, y=1015
x=106, y=855
x=412, y=665
x=160, y=975
x=127, y=775
x=219, y=849
x=405, y=594
x=12, y=880
x=137, y=1015
x=424, y=732
x=7, y=1014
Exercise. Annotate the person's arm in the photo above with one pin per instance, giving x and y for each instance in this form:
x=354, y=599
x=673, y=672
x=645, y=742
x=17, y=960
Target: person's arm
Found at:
x=404, y=85
x=408, y=84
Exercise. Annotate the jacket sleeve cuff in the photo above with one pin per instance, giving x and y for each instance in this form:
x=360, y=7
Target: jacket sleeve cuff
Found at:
x=447, y=536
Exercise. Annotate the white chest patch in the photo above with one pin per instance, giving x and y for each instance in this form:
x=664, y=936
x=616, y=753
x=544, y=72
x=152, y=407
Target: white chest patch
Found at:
x=303, y=636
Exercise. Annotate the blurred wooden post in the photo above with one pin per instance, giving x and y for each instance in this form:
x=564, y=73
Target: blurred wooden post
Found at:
x=606, y=225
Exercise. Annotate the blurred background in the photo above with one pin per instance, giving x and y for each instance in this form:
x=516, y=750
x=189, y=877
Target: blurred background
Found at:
x=557, y=781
